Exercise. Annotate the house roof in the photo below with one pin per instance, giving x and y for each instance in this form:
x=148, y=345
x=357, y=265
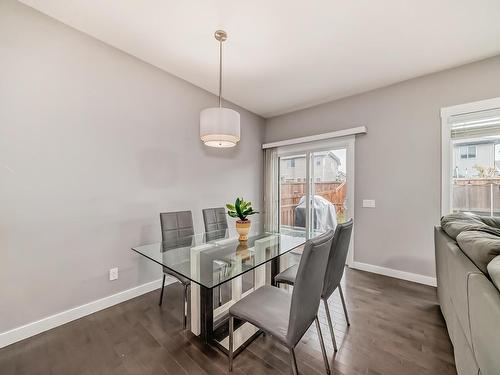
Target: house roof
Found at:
x=316, y=154
x=481, y=142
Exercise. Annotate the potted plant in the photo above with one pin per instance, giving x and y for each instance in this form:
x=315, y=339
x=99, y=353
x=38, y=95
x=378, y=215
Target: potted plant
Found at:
x=241, y=209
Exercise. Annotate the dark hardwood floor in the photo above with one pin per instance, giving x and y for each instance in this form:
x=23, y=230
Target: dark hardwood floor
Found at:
x=396, y=328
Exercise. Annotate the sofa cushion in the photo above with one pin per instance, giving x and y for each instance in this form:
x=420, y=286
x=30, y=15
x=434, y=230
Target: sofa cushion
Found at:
x=480, y=247
x=494, y=271
x=454, y=224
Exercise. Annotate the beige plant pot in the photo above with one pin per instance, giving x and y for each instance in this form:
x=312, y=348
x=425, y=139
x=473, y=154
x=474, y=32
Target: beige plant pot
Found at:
x=243, y=227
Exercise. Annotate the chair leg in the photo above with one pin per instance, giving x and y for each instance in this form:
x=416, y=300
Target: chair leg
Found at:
x=330, y=324
x=293, y=362
x=220, y=291
x=184, y=307
x=344, y=306
x=323, y=350
x=162, y=288
x=230, y=349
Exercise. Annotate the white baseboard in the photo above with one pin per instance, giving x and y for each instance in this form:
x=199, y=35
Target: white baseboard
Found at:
x=42, y=325
x=416, y=278
x=34, y=328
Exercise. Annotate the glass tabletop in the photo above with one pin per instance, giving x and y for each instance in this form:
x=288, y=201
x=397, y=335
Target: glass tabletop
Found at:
x=213, y=258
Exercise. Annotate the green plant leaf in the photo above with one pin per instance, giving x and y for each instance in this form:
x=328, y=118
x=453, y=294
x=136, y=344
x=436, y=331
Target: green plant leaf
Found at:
x=232, y=213
x=241, y=209
x=245, y=205
x=250, y=212
x=237, y=205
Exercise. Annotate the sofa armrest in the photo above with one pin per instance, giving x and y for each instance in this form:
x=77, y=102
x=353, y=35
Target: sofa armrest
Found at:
x=484, y=314
x=494, y=271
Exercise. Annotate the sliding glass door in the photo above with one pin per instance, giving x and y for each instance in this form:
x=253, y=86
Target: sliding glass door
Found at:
x=328, y=189
x=293, y=191
x=316, y=185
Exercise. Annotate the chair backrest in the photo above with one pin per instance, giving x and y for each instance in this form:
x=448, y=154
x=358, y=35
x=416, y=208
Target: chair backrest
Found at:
x=176, y=231
x=337, y=258
x=176, y=226
x=215, y=221
x=308, y=286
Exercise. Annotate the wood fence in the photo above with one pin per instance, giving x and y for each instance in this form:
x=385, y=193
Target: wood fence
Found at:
x=481, y=195
x=291, y=192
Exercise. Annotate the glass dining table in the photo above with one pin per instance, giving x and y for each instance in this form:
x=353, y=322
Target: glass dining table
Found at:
x=218, y=259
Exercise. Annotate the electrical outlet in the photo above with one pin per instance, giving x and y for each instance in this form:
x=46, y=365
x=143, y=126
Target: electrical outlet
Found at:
x=113, y=274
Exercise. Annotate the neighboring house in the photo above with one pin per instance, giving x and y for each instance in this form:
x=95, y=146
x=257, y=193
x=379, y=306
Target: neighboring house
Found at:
x=326, y=167
x=471, y=153
x=341, y=176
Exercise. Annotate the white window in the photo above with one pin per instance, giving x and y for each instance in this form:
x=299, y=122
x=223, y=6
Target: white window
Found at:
x=468, y=152
x=471, y=158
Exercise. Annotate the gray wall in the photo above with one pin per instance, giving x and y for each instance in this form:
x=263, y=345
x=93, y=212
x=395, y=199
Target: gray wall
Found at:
x=93, y=145
x=398, y=161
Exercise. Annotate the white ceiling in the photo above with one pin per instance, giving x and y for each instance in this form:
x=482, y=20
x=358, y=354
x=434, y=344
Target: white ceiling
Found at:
x=284, y=55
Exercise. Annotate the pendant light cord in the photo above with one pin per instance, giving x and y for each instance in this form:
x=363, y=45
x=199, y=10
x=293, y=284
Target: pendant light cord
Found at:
x=220, y=73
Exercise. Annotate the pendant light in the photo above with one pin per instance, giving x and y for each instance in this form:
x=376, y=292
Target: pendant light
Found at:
x=219, y=126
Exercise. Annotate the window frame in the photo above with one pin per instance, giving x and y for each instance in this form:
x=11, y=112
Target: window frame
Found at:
x=447, y=150
x=464, y=152
x=474, y=147
x=348, y=143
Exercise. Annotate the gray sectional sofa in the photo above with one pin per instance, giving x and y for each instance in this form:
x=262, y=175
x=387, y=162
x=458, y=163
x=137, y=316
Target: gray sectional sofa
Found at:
x=468, y=277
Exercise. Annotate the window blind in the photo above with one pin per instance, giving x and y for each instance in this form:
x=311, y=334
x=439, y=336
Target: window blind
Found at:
x=475, y=124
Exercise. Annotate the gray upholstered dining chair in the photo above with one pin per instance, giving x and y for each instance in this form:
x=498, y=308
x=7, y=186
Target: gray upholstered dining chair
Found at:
x=334, y=271
x=215, y=221
x=177, y=231
x=287, y=316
